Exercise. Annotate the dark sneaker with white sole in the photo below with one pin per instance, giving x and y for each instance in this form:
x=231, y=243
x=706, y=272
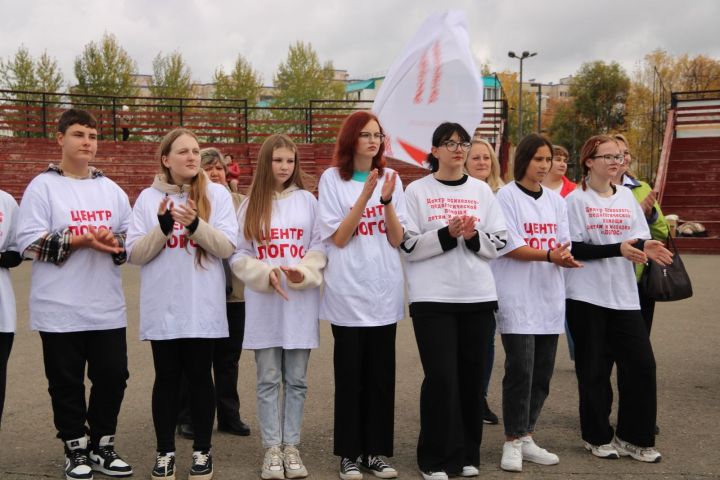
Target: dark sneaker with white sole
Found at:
x=77, y=465
x=104, y=459
x=377, y=466
x=164, y=468
x=202, y=467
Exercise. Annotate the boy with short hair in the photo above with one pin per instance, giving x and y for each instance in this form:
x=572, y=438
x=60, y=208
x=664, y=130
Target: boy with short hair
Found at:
x=72, y=223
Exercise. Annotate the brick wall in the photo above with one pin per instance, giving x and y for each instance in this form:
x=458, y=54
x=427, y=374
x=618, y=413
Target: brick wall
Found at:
x=133, y=164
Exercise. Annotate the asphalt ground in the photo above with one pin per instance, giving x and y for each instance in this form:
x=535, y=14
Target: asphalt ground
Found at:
x=685, y=337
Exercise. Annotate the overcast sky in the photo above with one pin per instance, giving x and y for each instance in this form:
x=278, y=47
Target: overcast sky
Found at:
x=362, y=37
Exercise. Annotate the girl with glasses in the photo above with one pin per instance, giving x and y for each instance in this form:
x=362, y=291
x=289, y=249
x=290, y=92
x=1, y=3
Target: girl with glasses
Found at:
x=361, y=220
x=609, y=233
x=454, y=228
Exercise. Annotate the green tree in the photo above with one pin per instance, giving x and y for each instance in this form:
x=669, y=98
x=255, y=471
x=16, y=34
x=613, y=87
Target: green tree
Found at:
x=171, y=76
x=302, y=78
x=600, y=91
x=105, y=68
x=566, y=130
x=18, y=72
x=242, y=83
x=49, y=76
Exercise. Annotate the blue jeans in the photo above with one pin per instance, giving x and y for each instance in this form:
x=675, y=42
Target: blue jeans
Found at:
x=529, y=365
x=276, y=365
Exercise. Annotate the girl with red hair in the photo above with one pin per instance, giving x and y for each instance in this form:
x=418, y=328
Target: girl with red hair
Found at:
x=361, y=218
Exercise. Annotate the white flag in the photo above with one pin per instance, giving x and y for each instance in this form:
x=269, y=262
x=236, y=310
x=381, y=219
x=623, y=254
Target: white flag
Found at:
x=434, y=80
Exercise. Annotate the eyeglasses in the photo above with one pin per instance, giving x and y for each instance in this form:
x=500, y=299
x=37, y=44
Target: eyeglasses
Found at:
x=368, y=136
x=609, y=159
x=453, y=146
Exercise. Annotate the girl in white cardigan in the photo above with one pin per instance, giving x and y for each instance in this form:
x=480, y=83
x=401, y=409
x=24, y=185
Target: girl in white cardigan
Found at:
x=280, y=258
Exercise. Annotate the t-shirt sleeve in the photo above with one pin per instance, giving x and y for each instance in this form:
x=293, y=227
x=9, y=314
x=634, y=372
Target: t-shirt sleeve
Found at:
x=244, y=247
x=400, y=203
x=492, y=231
x=330, y=211
x=137, y=224
x=576, y=217
x=224, y=218
x=124, y=211
x=640, y=227
x=316, y=241
x=417, y=244
x=515, y=238
x=563, y=227
x=34, y=216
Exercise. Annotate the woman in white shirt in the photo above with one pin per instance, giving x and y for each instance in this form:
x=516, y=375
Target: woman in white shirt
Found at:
x=531, y=310
x=609, y=233
x=454, y=228
x=181, y=229
x=361, y=213
x=482, y=164
x=280, y=258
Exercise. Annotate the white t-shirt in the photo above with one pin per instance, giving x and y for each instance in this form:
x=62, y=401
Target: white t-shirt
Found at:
x=596, y=220
x=270, y=320
x=458, y=275
x=531, y=295
x=178, y=298
x=363, y=280
x=8, y=222
x=85, y=292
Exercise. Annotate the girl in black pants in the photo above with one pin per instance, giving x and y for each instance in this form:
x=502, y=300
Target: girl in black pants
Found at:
x=607, y=224
x=454, y=228
x=182, y=228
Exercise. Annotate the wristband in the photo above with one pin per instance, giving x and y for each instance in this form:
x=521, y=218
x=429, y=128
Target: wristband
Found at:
x=548, y=255
x=385, y=202
x=193, y=225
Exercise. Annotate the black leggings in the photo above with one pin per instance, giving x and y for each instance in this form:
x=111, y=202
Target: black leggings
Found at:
x=173, y=358
x=6, y=341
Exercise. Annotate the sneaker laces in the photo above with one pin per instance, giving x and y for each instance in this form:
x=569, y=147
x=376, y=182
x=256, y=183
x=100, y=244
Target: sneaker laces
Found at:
x=292, y=457
x=201, y=458
x=376, y=462
x=273, y=458
x=78, y=457
x=163, y=461
x=108, y=452
x=347, y=465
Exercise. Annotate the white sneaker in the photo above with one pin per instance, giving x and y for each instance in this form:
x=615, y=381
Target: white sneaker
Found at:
x=603, y=451
x=470, y=471
x=77, y=464
x=293, y=464
x=512, y=456
x=273, y=464
x=533, y=453
x=434, y=475
x=644, y=454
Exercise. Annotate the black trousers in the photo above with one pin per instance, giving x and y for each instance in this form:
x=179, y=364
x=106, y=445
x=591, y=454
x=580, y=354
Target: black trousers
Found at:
x=226, y=359
x=65, y=356
x=6, y=342
x=602, y=335
x=173, y=359
x=364, y=361
x=452, y=348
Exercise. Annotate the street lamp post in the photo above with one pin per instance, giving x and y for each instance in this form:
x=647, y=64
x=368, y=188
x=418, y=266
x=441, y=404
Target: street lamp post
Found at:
x=525, y=54
x=539, y=107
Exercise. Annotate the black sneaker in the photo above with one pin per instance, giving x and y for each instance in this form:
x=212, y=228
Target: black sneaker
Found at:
x=77, y=465
x=164, y=468
x=377, y=467
x=104, y=459
x=202, y=468
x=349, y=469
x=488, y=416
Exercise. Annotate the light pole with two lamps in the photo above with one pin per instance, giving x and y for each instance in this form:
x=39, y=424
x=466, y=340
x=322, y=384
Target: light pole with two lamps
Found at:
x=520, y=57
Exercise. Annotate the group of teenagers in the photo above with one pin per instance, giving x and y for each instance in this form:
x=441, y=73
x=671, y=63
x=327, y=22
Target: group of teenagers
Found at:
x=220, y=272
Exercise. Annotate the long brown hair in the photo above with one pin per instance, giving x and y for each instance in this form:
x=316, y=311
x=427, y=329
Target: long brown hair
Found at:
x=198, y=184
x=347, y=141
x=588, y=150
x=258, y=216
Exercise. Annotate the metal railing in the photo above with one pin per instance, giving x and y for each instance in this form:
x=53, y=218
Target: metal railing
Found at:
x=146, y=119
